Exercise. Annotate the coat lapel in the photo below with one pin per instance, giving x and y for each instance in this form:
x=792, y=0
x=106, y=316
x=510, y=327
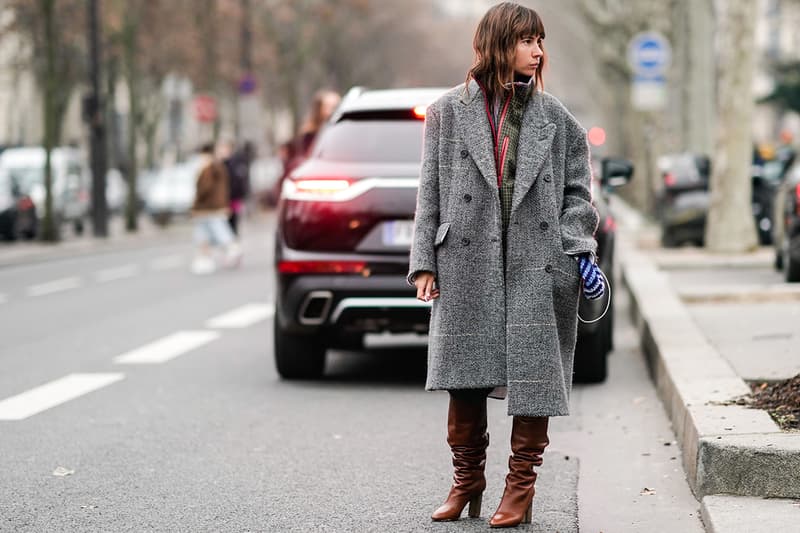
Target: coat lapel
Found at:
x=535, y=145
x=477, y=133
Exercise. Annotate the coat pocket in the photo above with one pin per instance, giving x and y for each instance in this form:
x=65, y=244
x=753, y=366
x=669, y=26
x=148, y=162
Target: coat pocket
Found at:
x=441, y=233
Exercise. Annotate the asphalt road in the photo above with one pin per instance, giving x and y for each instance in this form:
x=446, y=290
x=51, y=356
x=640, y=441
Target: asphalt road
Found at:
x=131, y=400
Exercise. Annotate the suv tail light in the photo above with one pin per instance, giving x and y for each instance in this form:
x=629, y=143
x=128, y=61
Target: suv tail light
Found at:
x=24, y=203
x=797, y=199
x=323, y=267
x=669, y=179
x=329, y=189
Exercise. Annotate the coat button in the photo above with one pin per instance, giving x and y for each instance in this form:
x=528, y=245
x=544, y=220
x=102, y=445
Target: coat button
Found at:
x=548, y=268
x=465, y=241
x=467, y=197
x=544, y=225
x=464, y=154
x=548, y=178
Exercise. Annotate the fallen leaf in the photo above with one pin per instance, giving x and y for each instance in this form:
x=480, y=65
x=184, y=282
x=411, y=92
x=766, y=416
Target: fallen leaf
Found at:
x=647, y=492
x=63, y=472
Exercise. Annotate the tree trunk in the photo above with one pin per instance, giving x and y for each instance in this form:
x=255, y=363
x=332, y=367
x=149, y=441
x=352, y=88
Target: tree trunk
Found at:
x=131, y=77
x=730, y=226
x=50, y=227
x=699, y=87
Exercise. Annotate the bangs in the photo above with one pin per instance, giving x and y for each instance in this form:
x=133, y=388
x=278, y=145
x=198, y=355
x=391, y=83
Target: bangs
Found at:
x=527, y=24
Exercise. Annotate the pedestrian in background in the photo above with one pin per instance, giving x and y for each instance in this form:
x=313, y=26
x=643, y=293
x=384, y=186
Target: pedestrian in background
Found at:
x=237, y=165
x=209, y=213
x=297, y=150
x=504, y=232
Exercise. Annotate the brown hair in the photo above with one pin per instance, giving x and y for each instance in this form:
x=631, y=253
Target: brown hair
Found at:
x=495, y=44
x=316, y=117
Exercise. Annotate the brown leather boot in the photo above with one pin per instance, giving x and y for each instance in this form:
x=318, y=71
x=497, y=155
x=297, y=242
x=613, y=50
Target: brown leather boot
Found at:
x=468, y=440
x=528, y=441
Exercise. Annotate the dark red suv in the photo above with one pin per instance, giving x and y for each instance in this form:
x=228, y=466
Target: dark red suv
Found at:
x=345, y=221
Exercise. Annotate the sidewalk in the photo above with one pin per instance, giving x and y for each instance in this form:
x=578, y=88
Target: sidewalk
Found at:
x=708, y=324
x=71, y=245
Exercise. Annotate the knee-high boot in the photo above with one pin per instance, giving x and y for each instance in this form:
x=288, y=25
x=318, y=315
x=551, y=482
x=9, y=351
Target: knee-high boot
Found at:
x=468, y=440
x=528, y=441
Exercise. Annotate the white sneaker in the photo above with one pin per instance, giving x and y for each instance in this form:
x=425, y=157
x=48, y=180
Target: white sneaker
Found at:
x=233, y=257
x=203, y=265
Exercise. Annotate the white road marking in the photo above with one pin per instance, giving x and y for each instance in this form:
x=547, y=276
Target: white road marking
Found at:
x=167, y=262
x=167, y=348
x=54, y=393
x=242, y=317
x=50, y=287
x=113, y=274
x=3, y=298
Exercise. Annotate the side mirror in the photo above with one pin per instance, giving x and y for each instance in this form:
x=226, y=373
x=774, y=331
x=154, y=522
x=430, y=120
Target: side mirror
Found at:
x=615, y=172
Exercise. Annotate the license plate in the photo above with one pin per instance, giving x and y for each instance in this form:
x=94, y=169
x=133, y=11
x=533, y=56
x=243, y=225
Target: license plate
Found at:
x=398, y=232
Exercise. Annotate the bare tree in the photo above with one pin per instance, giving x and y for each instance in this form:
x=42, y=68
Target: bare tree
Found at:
x=730, y=224
x=54, y=31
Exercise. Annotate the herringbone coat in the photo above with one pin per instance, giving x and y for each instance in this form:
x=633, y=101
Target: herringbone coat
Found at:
x=499, y=322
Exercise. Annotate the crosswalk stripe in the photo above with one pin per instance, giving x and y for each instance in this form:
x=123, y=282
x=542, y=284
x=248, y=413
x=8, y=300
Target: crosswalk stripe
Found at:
x=167, y=348
x=57, y=285
x=242, y=317
x=113, y=274
x=54, y=393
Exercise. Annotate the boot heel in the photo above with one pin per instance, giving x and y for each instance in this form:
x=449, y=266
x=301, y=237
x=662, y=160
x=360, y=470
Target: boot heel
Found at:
x=527, y=518
x=474, y=510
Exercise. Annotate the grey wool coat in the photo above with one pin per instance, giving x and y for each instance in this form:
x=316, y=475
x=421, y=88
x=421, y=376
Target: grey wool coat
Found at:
x=503, y=321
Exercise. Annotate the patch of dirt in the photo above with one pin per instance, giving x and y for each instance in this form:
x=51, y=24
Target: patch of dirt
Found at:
x=780, y=399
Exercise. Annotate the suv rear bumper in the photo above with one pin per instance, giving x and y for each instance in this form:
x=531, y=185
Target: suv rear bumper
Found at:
x=345, y=304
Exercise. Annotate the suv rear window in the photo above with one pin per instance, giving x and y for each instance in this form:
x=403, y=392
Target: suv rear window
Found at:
x=370, y=141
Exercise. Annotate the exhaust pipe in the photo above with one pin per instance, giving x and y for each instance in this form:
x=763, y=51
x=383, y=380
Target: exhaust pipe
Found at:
x=315, y=307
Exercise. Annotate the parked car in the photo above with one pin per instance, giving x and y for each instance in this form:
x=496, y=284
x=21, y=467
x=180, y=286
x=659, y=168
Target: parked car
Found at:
x=682, y=200
x=786, y=233
x=17, y=211
x=70, y=185
x=345, y=221
x=171, y=193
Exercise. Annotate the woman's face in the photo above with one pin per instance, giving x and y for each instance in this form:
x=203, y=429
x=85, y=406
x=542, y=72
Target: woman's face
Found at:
x=528, y=55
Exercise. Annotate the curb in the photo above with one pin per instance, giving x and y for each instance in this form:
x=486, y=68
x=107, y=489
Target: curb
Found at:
x=25, y=253
x=738, y=514
x=726, y=449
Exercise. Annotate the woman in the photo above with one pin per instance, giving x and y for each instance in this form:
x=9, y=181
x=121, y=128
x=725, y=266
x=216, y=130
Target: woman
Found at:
x=504, y=231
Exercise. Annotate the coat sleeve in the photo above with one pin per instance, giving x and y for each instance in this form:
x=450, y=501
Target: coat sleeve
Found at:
x=426, y=217
x=579, y=218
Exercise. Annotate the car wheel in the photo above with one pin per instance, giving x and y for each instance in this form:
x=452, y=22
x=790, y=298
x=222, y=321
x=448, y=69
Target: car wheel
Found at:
x=668, y=239
x=778, y=259
x=298, y=356
x=791, y=268
x=591, y=357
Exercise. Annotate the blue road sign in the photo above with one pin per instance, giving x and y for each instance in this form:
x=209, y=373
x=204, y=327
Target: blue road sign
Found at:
x=649, y=55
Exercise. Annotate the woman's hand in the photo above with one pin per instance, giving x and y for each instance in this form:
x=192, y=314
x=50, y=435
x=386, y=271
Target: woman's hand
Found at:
x=424, y=283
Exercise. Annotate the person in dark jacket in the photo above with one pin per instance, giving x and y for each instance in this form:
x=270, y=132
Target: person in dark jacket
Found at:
x=237, y=163
x=503, y=235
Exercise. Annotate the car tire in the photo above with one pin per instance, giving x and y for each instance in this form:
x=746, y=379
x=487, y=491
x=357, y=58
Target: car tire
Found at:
x=591, y=365
x=298, y=356
x=778, y=259
x=791, y=268
x=668, y=239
